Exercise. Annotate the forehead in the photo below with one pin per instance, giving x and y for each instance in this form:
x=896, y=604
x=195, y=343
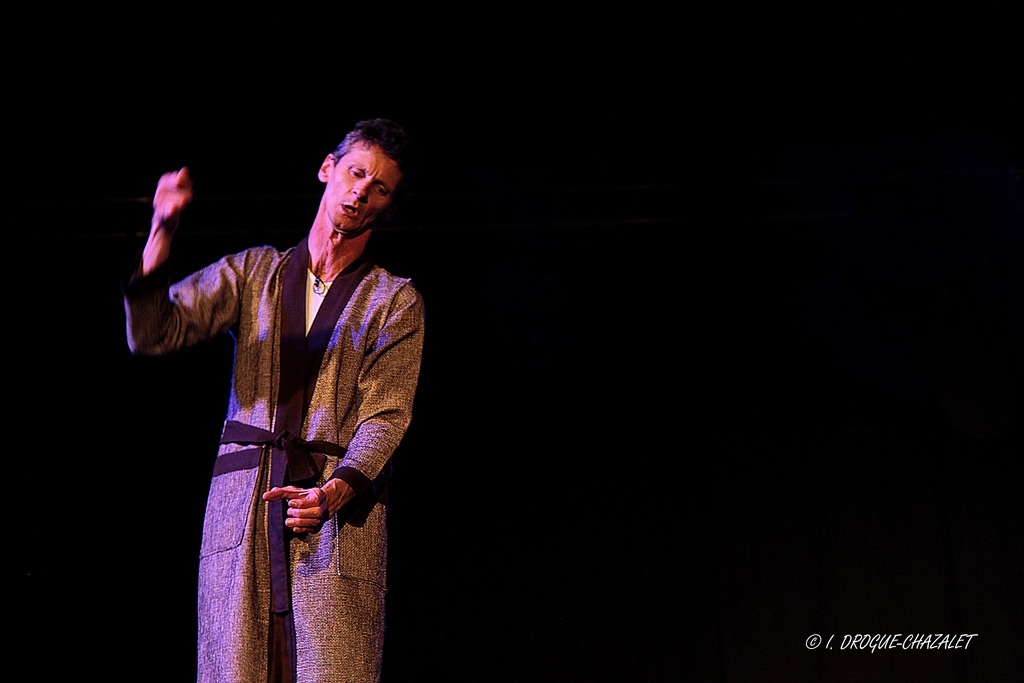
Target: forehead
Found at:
x=372, y=159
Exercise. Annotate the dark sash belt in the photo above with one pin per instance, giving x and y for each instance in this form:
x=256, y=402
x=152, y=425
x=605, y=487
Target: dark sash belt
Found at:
x=303, y=462
x=305, y=459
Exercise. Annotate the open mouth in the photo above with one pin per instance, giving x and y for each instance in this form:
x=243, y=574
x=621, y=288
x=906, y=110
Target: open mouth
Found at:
x=350, y=210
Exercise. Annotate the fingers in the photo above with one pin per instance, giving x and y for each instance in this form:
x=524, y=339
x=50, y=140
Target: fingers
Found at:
x=306, y=519
x=307, y=508
x=285, y=492
x=173, y=193
x=180, y=180
x=314, y=497
x=177, y=184
x=184, y=180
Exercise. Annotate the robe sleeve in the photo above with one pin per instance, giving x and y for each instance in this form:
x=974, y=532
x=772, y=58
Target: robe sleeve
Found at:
x=162, y=318
x=386, y=389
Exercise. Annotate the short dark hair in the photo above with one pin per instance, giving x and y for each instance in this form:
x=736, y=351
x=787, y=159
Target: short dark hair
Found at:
x=393, y=140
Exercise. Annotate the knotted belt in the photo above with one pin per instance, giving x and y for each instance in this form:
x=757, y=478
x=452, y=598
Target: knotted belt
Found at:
x=303, y=460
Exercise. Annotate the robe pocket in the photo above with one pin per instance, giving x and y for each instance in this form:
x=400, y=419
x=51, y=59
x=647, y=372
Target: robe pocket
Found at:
x=228, y=507
x=361, y=553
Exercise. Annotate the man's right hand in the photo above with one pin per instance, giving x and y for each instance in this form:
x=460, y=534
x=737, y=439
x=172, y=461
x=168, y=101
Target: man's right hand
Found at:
x=173, y=193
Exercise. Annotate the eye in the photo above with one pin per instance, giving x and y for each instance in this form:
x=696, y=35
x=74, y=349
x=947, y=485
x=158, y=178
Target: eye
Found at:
x=382, y=191
x=356, y=172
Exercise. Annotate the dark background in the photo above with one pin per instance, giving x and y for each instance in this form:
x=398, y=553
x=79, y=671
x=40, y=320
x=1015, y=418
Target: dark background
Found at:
x=723, y=333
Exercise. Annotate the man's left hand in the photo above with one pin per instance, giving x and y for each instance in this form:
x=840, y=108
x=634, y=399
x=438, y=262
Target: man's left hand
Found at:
x=308, y=509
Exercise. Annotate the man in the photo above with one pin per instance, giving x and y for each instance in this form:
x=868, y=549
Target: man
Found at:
x=327, y=355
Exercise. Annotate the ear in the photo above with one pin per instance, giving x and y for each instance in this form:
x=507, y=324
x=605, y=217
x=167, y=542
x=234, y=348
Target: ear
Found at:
x=326, y=168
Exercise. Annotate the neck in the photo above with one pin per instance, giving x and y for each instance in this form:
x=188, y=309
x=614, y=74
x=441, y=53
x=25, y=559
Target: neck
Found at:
x=330, y=252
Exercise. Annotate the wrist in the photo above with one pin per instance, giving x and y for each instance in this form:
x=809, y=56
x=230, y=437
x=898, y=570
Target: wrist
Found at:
x=154, y=255
x=337, y=492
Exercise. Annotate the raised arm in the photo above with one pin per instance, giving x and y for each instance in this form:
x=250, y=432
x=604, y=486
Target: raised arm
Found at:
x=162, y=319
x=173, y=193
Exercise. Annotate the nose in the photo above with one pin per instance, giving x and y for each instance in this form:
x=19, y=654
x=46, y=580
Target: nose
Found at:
x=360, y=189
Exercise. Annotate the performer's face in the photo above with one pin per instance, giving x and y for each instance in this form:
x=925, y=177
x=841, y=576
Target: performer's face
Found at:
x=360, y=186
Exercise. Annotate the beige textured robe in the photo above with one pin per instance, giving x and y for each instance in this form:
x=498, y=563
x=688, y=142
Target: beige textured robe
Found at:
x=362, y=401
